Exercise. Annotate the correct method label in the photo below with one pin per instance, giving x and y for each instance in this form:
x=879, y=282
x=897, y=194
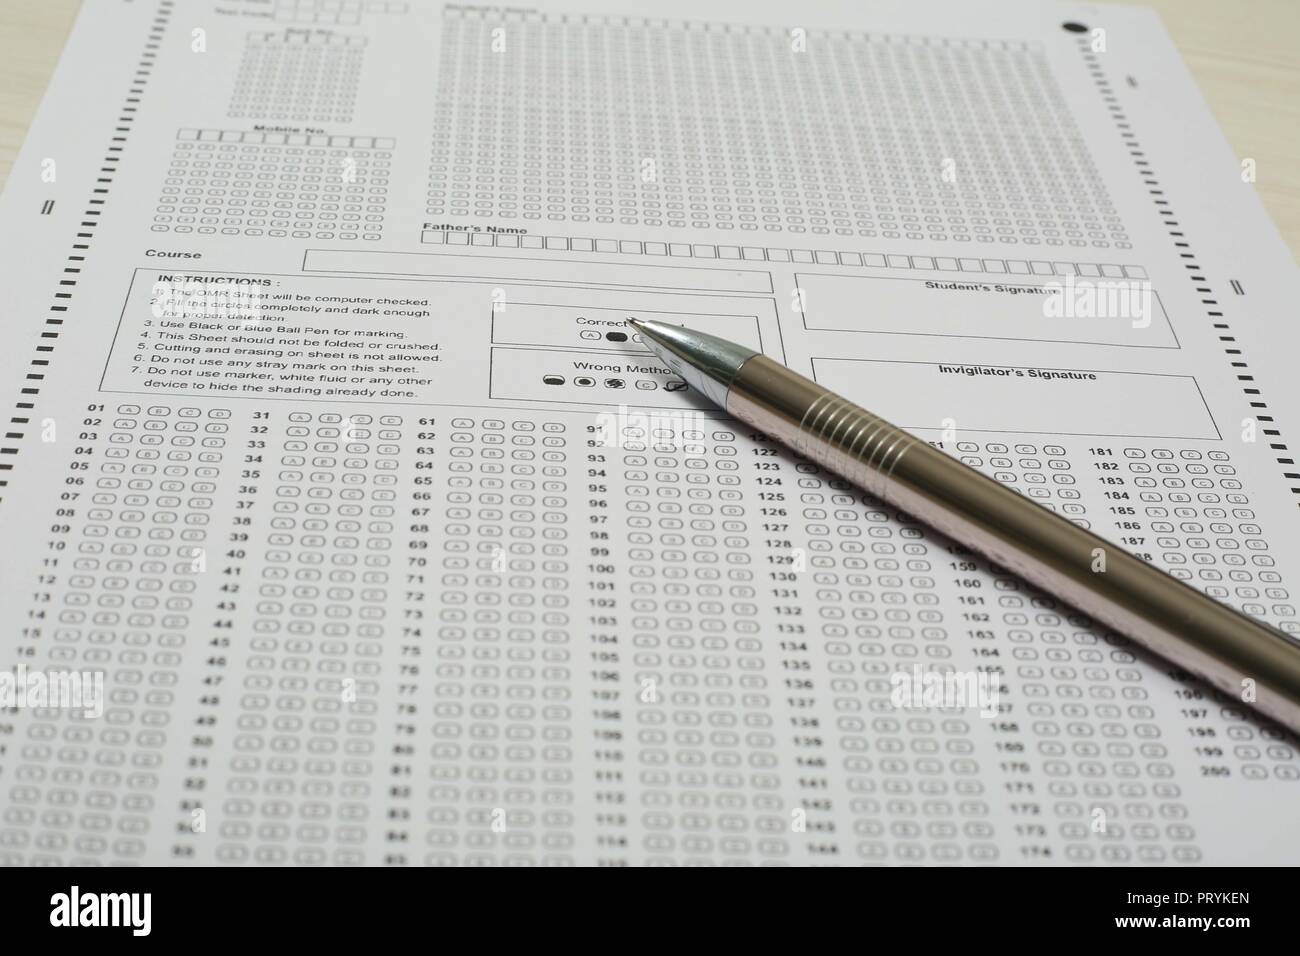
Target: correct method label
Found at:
x=584, y=327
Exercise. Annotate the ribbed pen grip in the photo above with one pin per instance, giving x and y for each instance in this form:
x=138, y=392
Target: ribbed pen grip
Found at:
x=848, y=439
x=818, y=424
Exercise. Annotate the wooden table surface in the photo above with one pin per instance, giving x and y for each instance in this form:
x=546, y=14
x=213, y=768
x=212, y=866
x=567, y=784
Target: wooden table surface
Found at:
x=1243, y=54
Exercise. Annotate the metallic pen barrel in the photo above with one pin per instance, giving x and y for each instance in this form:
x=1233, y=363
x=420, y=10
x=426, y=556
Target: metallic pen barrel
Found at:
x=1248, y=661
x=1243, y=658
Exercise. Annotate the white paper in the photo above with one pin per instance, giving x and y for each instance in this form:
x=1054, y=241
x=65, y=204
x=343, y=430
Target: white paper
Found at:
x=328, y=455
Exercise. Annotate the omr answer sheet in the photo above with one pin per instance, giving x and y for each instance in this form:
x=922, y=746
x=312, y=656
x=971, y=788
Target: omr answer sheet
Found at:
x=345, y=522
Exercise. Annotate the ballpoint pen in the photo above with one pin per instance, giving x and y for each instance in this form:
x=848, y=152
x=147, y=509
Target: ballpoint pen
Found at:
x=1246, y=660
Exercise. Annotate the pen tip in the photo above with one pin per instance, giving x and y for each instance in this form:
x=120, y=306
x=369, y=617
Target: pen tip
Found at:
x=635, y=323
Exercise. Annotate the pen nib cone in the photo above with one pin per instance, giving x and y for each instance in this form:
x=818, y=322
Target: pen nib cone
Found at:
x=705, y=362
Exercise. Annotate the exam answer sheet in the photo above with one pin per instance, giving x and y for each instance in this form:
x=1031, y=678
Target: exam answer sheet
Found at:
x=345, y=522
